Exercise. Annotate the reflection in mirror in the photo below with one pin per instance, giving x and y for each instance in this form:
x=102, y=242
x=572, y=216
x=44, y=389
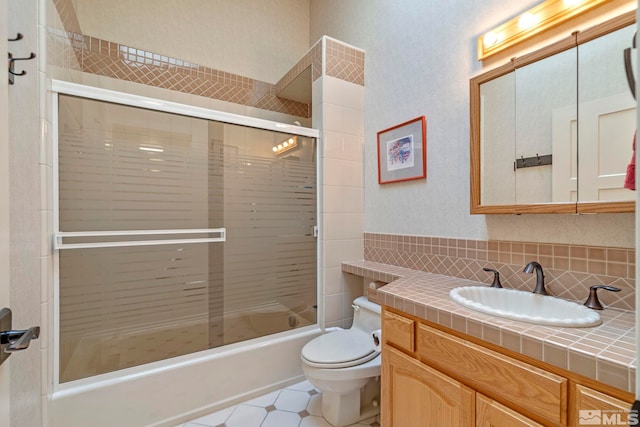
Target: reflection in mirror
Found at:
x=552, y=131
x=607, y=118
x=545, y=88
x=498, y=97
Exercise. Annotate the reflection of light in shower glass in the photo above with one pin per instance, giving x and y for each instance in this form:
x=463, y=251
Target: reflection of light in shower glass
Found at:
x=153, y=149
x=286, y=145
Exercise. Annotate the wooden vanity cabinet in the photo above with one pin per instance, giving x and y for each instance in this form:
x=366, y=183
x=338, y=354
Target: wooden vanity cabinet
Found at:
x=416, y=395
x=614, y=411
x=433, y=378
x=490, y=413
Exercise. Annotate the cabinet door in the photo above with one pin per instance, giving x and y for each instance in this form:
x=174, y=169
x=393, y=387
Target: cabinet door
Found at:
x=594, y=408
x=490, y=413
x=415, y=395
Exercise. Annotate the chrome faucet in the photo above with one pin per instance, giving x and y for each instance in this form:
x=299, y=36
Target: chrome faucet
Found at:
x=540, y=289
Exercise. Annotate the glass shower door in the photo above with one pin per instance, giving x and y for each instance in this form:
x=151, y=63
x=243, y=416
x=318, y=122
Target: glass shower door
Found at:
x=177, y=234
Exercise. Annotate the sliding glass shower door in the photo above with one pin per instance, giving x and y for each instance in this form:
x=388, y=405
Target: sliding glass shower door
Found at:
x=177, y=234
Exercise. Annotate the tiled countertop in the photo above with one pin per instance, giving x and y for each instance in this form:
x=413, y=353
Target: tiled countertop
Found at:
x=605, y=353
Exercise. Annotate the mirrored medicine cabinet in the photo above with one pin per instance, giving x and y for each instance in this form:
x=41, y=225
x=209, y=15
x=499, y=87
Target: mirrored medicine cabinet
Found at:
x=553, y=131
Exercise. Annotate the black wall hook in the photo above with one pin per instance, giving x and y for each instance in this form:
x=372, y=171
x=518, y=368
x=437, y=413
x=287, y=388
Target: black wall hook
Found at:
x=11, y=61
x=19, y=36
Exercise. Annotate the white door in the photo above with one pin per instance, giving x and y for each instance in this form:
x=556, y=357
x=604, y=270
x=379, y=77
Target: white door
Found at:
x=607, y=127
x=605, y=138
x=564, y=175
x=4, y=210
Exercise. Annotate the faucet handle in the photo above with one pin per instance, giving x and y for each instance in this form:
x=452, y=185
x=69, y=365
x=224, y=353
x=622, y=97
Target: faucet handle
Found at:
x=496, y=277
x=593, y=301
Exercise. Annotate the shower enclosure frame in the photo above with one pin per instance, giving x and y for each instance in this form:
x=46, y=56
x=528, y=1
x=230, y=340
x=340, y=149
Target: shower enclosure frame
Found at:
x=95, y=382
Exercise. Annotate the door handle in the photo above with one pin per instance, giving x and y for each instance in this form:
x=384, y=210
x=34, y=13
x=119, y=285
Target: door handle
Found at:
x=19, y=340
x=14, y=340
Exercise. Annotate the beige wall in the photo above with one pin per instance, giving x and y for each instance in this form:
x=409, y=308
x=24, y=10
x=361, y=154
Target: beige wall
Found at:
x=419, y=58
x=256, y=39
x=29, y=291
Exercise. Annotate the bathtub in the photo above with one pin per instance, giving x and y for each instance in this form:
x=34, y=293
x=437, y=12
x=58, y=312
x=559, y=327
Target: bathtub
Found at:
x=176, y=390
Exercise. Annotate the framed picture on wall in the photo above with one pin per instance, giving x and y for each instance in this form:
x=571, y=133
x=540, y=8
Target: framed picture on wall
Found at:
x=402, y=152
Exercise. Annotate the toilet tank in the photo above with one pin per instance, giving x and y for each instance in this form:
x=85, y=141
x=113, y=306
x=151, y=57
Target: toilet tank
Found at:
x=366, y=314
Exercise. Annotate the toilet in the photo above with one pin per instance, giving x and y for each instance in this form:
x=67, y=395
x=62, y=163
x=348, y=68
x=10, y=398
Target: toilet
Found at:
x=345, y=366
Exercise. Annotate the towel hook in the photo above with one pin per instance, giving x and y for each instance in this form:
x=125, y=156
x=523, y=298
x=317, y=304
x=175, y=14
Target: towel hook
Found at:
x=12, y=61
x=19, y=36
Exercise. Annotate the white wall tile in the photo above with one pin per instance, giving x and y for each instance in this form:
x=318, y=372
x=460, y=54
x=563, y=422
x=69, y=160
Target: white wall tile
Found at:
x=353, y=148
x=332, y=253
x=332, y=281
x=46, y=186
x=333, y=307
x=333, y=90
x=352, y=122
x=331, y=198
x=332, y=172
x=46, y=278
x=353, y=96
x=352, y=225
x=332, y=117
x=46, y=230
x=332, y=228
x=353, y=200
x=332, y=147
x=351, y=174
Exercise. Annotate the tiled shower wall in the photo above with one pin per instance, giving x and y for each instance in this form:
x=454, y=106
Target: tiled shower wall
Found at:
x=569, y=269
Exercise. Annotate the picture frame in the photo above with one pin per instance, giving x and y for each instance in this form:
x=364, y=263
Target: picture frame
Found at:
x=402, y=152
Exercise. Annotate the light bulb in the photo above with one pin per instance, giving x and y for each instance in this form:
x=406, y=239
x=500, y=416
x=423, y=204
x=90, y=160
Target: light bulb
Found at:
x=490, y=39
x=527, y=20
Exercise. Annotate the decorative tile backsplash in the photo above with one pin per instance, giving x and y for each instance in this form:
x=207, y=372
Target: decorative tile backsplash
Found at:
x=569, y=269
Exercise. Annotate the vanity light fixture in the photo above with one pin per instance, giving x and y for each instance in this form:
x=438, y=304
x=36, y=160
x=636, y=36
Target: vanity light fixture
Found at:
x=286, y=145
x=542, y=17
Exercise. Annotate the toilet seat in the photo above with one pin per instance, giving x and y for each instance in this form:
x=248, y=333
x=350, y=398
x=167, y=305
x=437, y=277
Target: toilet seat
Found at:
x=340, y=349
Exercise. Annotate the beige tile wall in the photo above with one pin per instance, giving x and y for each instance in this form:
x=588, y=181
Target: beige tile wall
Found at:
x=569, y=269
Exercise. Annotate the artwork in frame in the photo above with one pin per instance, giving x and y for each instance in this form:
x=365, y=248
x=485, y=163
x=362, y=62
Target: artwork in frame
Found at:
x=402, y=152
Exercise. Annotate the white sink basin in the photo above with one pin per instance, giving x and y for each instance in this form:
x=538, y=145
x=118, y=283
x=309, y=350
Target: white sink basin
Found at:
x=525, y=306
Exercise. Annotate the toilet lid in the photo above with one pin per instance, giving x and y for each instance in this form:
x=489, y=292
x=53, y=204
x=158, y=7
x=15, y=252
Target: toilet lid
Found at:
x=339, y=349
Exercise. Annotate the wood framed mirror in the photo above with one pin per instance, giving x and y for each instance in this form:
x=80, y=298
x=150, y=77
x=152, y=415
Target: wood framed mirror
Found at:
x=553, y=131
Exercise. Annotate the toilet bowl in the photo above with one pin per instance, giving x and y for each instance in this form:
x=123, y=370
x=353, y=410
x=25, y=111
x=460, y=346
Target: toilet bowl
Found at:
x=345, y=366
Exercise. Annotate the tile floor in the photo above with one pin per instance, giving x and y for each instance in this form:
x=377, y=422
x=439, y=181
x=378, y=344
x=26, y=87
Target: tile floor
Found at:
x=299, y=405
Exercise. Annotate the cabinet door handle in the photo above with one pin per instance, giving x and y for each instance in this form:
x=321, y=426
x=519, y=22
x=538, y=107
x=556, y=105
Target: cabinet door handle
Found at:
x=19, y=340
